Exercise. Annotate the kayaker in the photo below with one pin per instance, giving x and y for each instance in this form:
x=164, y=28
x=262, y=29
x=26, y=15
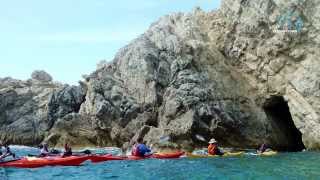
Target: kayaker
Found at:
x=7, y=152
x=67, y=150
x=213, y=148
x=263, y=148
x=140, y=149
x=44, y=151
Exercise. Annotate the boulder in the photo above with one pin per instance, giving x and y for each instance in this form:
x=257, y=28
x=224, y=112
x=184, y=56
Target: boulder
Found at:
x=41, y=76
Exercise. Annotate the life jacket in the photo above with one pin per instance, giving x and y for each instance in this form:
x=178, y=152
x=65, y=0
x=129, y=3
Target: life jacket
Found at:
x=135, y=150
x=212, y=149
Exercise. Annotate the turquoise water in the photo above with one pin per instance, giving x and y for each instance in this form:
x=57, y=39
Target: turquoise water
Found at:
x=304, y=165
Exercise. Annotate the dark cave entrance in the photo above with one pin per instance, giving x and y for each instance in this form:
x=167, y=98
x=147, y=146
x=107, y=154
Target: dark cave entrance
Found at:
x=277, y=110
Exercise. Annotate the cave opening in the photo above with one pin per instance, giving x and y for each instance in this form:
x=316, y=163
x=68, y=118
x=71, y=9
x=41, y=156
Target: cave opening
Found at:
x=278, y=112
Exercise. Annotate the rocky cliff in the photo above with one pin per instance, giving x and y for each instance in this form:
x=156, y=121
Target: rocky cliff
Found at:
x=244, y=74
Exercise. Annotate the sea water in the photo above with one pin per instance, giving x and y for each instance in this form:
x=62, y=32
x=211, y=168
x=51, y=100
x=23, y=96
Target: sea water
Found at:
x=303, y=165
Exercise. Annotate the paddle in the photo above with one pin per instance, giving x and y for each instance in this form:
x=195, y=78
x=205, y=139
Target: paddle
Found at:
x=246, y=150
x=38, y=156
x=164, y=139
x=32, y=155
x=87, y=151
x=55, y=152
x=200, y=138
x=80, y=153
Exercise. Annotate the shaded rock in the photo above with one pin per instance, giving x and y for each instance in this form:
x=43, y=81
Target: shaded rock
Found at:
x=64, y=101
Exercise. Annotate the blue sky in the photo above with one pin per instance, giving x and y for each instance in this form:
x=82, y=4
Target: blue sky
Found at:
x=67, y=38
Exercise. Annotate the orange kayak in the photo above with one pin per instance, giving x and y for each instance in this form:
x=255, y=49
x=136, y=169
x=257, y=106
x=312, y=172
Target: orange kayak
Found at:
x=33, y=162
x=174, y=155
x=168, y=155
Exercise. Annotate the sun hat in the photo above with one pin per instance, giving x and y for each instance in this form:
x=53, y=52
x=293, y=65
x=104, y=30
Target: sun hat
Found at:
x=212, y=141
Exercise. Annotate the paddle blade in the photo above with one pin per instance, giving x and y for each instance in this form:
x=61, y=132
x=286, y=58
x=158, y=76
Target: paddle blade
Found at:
x=164, y=139
x=200, y=138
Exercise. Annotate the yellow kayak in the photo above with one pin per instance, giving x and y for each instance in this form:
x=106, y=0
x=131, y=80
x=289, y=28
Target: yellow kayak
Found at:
x=227, y=154
x=269, y=153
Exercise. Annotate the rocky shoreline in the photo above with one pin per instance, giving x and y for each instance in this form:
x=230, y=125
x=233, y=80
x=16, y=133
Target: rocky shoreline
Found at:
x=224, y=74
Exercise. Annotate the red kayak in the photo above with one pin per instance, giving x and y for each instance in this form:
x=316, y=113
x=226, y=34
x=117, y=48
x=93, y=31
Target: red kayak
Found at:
x=108, y=157
x=31, y=162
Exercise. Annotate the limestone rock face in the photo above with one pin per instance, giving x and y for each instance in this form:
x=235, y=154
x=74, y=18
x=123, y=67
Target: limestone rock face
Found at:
x=41, y=76
x=71, y=128
x=244, y=74
x=64, y=101
x=281, y=39
x=30, y=108
x=23, y=110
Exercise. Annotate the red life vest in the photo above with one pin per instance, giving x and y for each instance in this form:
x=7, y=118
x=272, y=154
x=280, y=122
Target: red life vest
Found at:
x=212, y=149
x=135, y=150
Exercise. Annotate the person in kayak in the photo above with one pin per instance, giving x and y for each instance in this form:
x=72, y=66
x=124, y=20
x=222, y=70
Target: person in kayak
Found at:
x=263, y=148
x=44, y=151
x=7, y=152
x=67, y=150
x=140, y=149
x=213, y=148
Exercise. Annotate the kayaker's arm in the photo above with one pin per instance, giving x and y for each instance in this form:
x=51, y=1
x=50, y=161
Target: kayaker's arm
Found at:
x=145, y=149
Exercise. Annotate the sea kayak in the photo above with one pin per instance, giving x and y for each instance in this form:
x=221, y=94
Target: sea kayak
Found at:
x=168, y=155
x=108, y=157
x=174, y=155
x=227, y=154
x=34, y=162
x=268, y=153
